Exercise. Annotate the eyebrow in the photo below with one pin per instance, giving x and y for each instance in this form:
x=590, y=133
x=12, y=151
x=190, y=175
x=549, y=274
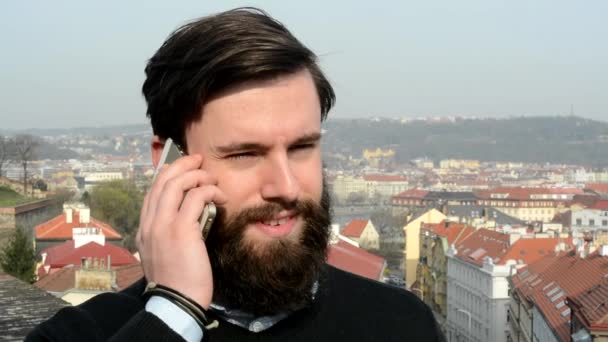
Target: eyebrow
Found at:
x=246, y=146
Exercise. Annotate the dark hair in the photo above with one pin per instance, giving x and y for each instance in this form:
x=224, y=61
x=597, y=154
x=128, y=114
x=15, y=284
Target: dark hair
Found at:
x=211, y=54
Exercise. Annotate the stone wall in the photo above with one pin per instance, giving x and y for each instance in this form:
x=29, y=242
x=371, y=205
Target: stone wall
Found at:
x=29, y=215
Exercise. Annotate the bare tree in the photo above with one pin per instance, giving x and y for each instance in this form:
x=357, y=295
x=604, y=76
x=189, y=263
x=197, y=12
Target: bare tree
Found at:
x=4, y=153
x=25, y=146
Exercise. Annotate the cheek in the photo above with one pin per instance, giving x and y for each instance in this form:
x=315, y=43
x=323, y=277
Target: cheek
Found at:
x=311, y=181
x=238, y=190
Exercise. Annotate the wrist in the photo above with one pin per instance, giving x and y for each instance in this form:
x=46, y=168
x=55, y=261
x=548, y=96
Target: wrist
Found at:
x=187, y=304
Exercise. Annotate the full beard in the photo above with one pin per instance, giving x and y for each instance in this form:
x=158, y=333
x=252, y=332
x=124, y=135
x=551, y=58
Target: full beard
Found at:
x=268, y=277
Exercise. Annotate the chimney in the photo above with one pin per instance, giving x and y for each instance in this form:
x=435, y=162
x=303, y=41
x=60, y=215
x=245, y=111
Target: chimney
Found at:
x=85, y=215
x=604, y=250
x=580, y=250
x=109, y=262
x=335, y=233
x=68, y=215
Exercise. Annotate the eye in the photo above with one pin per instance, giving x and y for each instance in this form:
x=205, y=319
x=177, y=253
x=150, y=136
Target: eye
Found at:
x=241, y=155
x=303, y=147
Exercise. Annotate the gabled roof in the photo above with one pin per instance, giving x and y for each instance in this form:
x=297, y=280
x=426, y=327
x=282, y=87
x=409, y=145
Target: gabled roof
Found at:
x=355, y=260
x=66, y=254
x=592, y=307
x=354, y=228
x=483, y=243
x=549, y=281
x=58, y=228
x=454, y=232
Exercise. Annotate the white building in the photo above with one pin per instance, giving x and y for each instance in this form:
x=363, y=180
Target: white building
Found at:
x=591, y=219
x=478, y=286
x=477, y=300
x=93, y=178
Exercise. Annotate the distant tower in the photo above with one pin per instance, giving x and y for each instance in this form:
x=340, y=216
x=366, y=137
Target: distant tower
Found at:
x=571, y=110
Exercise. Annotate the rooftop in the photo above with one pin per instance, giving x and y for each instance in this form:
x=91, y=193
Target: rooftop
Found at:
x=59, y=228
x=354, y=228
x=355, y=260
x=23, y=306
x=547, y=282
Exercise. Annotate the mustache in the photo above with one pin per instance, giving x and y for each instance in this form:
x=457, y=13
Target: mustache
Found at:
x=262, y=212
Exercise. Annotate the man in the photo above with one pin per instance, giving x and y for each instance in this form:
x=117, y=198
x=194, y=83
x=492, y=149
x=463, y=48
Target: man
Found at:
x=244, y=99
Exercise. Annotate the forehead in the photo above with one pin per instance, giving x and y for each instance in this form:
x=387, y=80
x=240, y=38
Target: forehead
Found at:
x=286, y=106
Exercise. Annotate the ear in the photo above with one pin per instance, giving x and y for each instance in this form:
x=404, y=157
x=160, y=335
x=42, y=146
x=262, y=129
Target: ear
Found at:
x=157, y=146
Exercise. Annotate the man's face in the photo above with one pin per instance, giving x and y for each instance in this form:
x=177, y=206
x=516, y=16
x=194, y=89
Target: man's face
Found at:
x=262, y=142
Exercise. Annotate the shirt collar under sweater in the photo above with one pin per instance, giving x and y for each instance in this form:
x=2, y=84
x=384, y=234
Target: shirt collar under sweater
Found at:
x=248, y=320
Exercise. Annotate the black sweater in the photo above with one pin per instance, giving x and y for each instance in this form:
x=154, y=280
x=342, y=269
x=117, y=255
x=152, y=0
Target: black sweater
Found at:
x=346, y=308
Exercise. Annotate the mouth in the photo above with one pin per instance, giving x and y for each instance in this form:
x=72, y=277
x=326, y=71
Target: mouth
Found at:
x=277, y=227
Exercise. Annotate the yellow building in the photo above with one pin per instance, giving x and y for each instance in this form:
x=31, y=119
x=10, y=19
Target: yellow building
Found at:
x=431, y=275
x=459, y=164
x=343, y=186
x=411, y=253
x=378, y=157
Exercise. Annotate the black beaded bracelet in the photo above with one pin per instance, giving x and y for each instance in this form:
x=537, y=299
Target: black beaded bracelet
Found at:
x=185, y=303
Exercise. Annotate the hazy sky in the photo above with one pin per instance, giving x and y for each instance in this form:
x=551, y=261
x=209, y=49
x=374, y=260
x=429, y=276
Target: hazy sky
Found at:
x=80, y=63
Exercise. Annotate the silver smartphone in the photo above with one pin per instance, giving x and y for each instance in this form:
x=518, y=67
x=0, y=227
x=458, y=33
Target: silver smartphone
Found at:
x=171, y=153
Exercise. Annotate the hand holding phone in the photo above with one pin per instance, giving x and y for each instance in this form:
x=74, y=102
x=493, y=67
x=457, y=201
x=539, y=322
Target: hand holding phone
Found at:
x=171, y=152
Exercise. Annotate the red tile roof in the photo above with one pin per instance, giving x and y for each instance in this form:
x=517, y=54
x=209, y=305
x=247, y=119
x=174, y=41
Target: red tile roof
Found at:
x=412, y=193
x=600, y=205
x=591, y=307
x=61, y=280
x=547, y=282
x=355, y=260
x=64, y=279
x=66, y=254
x=520, y=193
x=483, y=243
x=454, y=232
x=354, y=228
x=128, y=274
x=384, y=178
x=58, y=228
x=529, y=250
x=598, y=187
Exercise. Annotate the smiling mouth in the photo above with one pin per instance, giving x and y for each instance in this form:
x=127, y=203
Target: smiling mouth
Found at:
x=277, y=222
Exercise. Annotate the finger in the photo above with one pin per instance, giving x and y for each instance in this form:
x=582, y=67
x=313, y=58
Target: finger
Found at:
x=168, y=172
x=174, y=189
x=196, y=199
x=143, y=221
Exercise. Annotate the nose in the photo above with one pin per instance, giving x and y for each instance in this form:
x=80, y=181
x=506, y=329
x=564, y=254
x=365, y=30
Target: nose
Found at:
x=280, y=183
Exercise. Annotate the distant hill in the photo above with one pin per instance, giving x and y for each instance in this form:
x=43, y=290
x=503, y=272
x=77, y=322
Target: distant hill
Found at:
x=529, y=139
x=571, y=139
x=90, y=131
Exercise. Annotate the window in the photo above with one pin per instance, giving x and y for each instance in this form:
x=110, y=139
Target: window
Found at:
x=604, y=223
x=591, y=222
x=579, y=222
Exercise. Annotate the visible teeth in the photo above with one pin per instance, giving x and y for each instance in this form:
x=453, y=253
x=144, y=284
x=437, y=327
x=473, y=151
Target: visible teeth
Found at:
x=276, y=222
